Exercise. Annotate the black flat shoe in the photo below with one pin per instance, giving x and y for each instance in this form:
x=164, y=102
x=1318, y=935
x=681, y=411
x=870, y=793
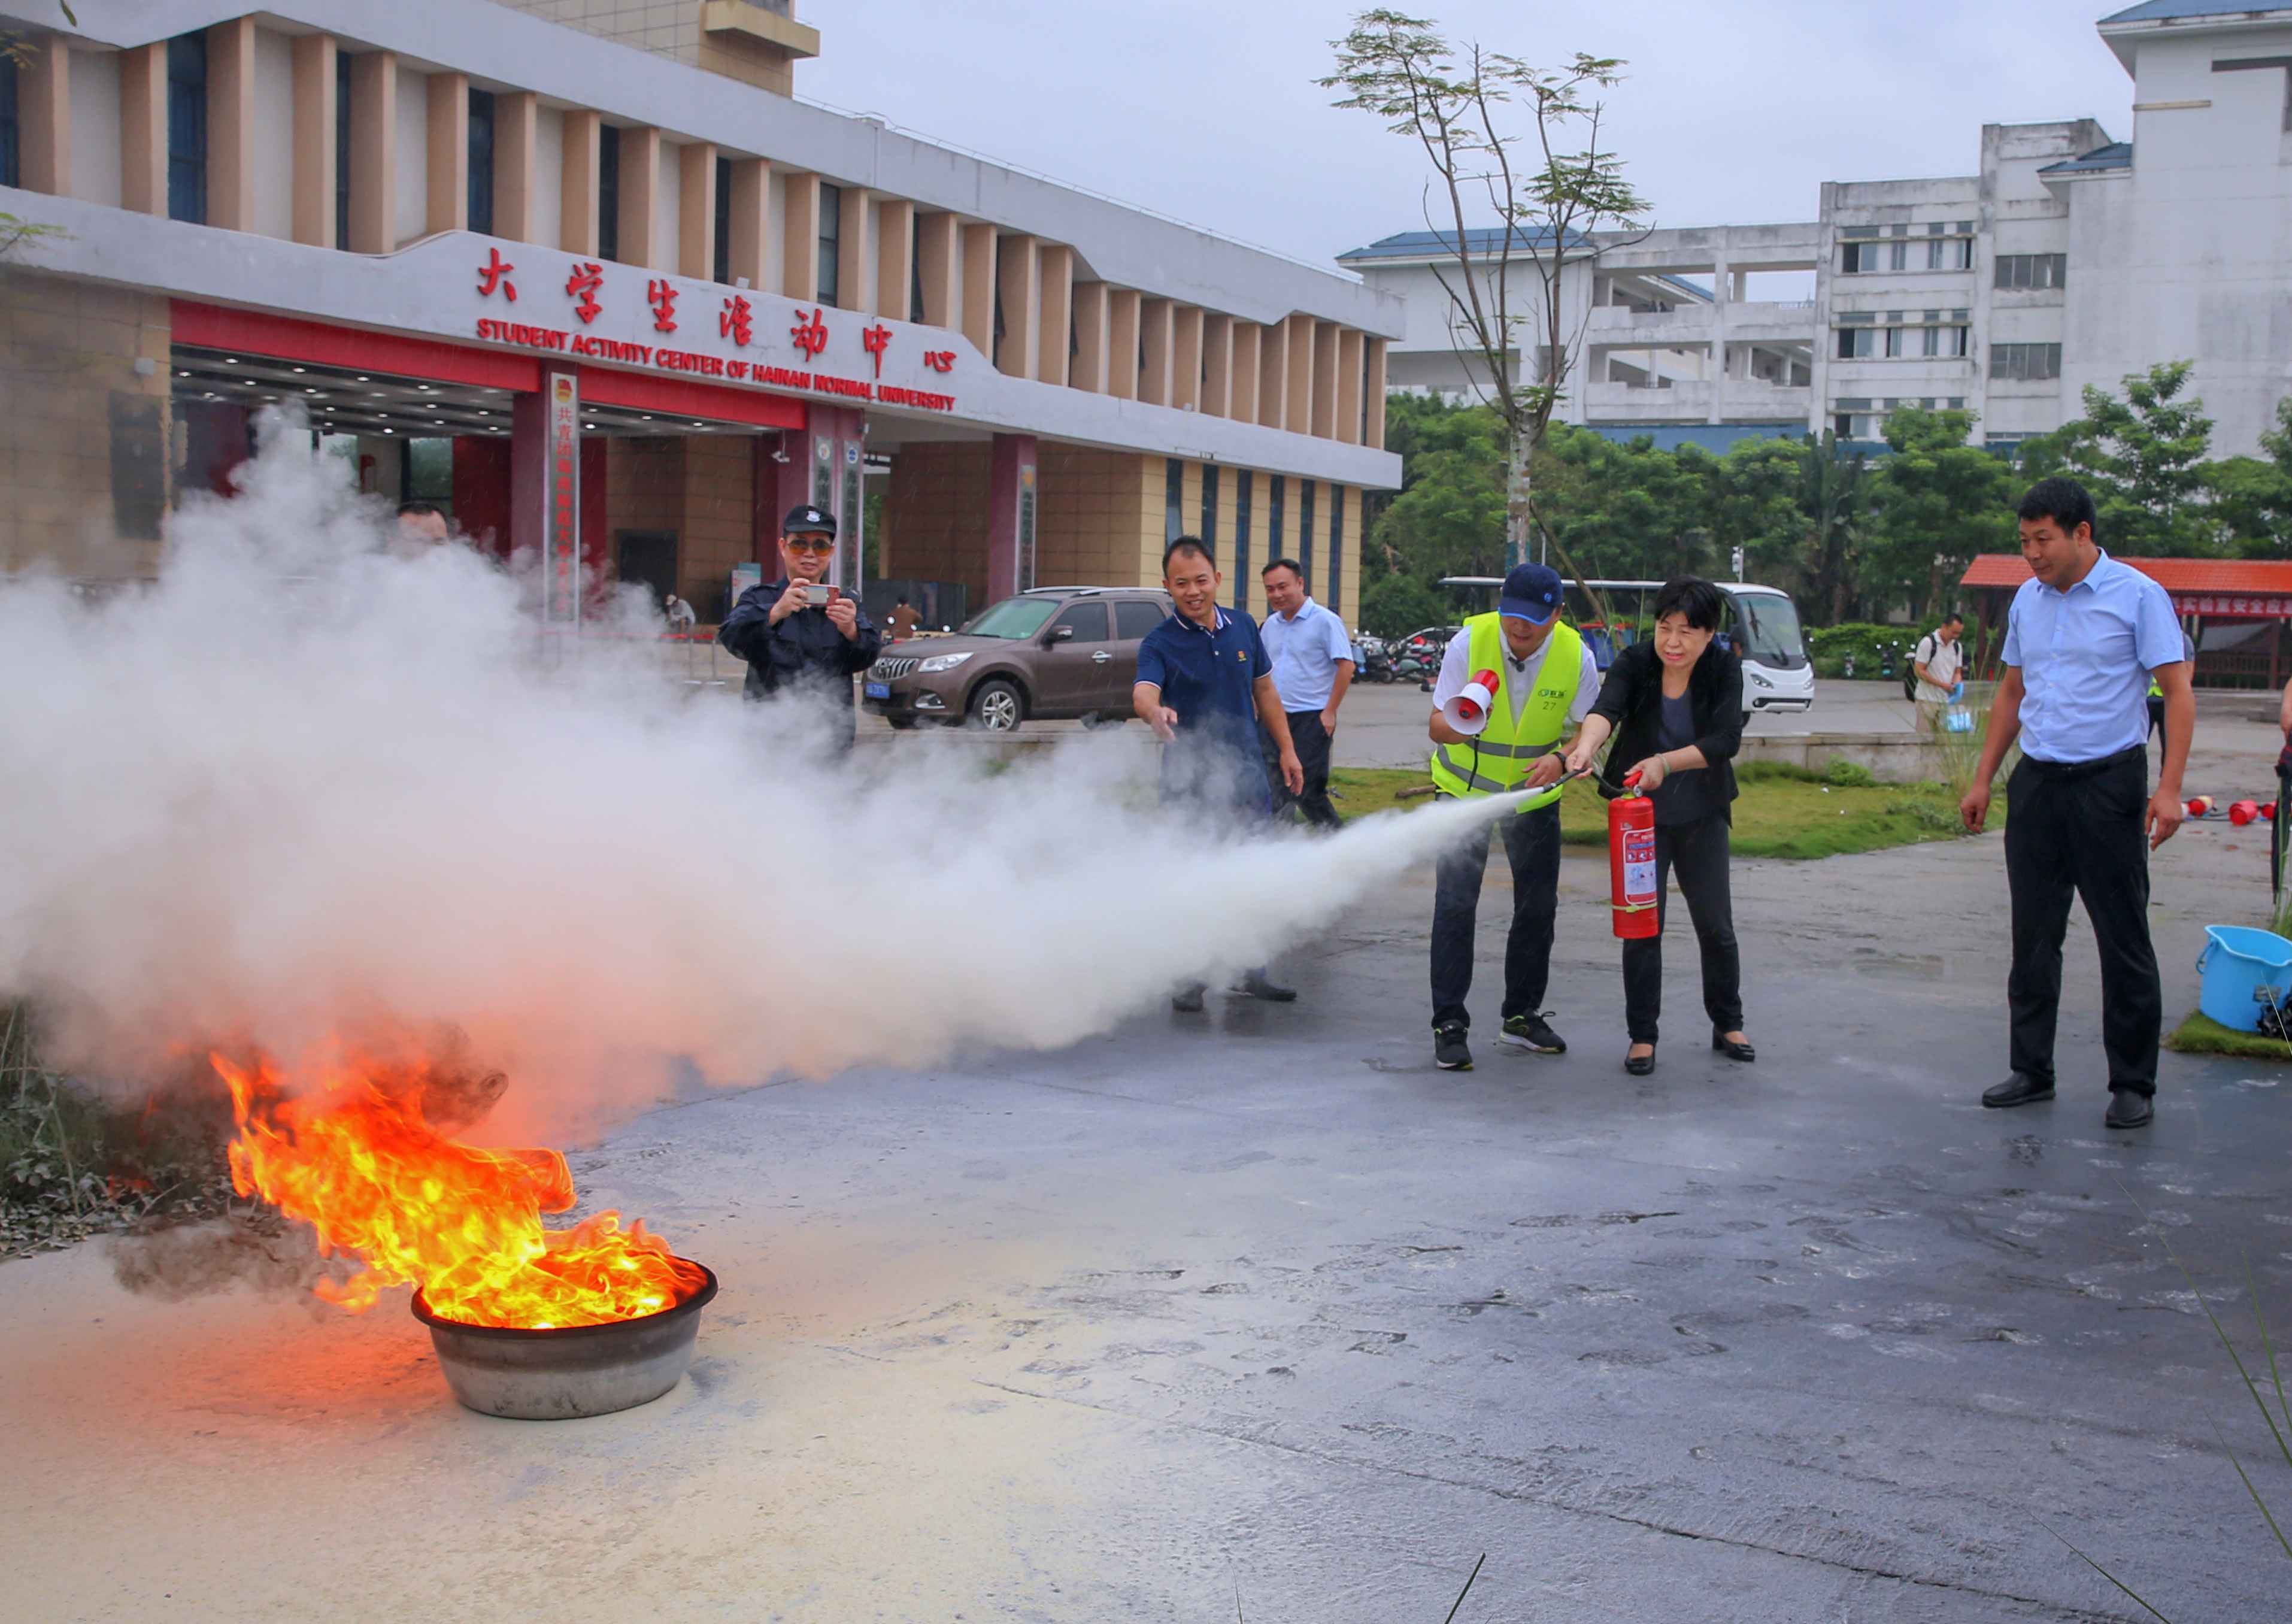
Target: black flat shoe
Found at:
x=1640, y=1065
x=1742, y=1051
x=2019, y=1089
x=2128, y=1108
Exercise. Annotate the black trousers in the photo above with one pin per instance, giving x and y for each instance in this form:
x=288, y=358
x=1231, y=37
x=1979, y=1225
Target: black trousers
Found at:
x=1532, y=845
x=2081, y=829
x=1697, y=852
x=1311, y=741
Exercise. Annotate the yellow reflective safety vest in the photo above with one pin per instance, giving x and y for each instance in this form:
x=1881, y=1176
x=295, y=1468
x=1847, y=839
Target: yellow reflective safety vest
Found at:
x=1496, y=762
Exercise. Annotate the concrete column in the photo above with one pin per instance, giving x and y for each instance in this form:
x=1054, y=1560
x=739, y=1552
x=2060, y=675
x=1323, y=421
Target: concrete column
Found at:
x=44, y=117
x=1373, y=393
x=1186, y=357
x=231, y=124
x=1092, y=315
x=1217, y=365
x=1273, y=376
x=1349, y=387
x=1297, y=407
x=1017, y=272
x=800, y=237
x=1122, y=368
x=1053, y=350
x=696, y=210
x=979, y=286
x=1011, y=483
x=144, y=128
x=937, y=256
x=446, y=207
x=314, y=140
x=751, y=220
x=1155, y=334
x=577, y=192
x=1325, y=380
x=895, y=259
x=374, y=152
x=639, y=243
x=855, y=248
x=517, y=171
x=1246, y=338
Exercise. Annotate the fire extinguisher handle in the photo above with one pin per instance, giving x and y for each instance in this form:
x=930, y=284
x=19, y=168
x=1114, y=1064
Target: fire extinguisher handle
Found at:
x=1632, y=779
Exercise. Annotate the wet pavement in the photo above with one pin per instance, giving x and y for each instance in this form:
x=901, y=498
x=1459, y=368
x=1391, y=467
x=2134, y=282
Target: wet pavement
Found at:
x=1256, y=1312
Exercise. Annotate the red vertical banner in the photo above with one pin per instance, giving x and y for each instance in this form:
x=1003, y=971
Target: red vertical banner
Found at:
x=561, y=563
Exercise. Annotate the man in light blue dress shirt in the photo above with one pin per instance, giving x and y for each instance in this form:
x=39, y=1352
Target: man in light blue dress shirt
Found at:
x=1313, y=663
x=2085, y=638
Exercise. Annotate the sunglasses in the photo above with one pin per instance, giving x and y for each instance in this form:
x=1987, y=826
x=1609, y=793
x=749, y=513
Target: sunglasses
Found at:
x=800, y=544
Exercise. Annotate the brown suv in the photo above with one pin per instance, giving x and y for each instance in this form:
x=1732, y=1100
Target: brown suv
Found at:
x=1054, y=653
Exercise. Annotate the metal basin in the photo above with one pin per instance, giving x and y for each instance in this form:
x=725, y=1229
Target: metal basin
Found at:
x=576, y=1370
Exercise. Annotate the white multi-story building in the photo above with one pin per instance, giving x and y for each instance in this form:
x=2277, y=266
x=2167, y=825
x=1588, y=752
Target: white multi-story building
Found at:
x=2068, y=259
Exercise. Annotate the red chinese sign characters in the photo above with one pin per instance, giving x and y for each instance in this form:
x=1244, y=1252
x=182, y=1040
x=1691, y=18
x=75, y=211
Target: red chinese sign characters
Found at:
x=810, y=333
x=875, y=340
x=940, y=361
x=660, y=293
x=582, y=285
x=495, y=273
x=736, y=321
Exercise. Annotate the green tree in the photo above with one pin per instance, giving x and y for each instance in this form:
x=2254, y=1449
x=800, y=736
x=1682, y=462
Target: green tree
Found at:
x=1395, y=605
x=2251, y=496
x=1936, y=502
x=1448, y=518
x=1521, y=143
x=1834, y=500
x=2143, y=458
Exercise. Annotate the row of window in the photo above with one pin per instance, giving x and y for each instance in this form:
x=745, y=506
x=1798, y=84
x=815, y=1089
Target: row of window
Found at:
x=186, y=166
x=1860, y=422
x=1174, y=487
x=1933, y=253
x=2033, y=270
x=2029, y=361
x=1870, y=342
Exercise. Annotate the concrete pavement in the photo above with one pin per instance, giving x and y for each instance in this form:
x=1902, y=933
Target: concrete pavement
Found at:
x=1258, y=1309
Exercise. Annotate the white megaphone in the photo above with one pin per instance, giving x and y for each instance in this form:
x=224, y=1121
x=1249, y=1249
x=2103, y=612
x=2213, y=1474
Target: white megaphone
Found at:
x=1468, y=712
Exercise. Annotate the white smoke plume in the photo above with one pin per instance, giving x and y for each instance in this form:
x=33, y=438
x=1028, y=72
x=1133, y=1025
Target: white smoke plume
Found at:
x=303, y=790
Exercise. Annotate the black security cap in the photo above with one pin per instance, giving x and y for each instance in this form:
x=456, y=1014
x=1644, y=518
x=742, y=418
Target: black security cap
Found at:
x=805, y=520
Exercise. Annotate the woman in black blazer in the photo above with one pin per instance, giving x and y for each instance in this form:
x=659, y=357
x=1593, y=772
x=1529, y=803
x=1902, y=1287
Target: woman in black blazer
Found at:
x=1674, y=705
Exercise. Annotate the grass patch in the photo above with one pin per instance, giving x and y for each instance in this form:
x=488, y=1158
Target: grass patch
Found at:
x=1783, y=811
x=2200, y=1034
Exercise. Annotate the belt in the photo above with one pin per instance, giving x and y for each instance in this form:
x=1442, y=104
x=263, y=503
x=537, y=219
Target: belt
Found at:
x=2069, y=772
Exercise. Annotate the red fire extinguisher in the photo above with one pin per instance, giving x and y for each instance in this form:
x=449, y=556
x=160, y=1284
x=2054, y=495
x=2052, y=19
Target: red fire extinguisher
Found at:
x=1631, y=861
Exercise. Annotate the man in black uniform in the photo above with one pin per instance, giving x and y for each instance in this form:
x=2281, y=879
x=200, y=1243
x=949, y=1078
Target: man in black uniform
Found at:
x=799, y=634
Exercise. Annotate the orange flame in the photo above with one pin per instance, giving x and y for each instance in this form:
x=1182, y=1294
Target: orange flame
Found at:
x=364, y=1168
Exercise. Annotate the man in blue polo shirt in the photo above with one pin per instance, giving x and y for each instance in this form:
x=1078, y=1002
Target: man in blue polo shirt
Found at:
x=2086, y=636
x=1206, y=687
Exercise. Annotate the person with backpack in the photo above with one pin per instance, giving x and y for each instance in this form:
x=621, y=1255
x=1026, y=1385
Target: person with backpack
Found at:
x=1936, y=664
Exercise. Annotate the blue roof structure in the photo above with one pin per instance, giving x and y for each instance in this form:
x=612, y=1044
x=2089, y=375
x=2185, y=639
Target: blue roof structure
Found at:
x=2117, y=155
x=1478, y=241
x=2169, y=10
x=1712, y=437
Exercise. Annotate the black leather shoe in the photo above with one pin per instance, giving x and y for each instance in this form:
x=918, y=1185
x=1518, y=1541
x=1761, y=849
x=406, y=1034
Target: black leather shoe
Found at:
x=2019, y=1089
x=1260, y=986
x=2128, y=1108
x=1640, y=1065
x=1742, y=1051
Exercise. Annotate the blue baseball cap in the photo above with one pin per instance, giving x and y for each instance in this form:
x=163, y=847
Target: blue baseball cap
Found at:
x=1531, y=593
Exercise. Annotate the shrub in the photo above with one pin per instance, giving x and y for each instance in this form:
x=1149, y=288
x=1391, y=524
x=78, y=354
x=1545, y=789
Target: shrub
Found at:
x=1869, y=651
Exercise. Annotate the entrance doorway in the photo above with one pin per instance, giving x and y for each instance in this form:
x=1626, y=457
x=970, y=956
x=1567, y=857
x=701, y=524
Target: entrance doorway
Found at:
x=649, y=559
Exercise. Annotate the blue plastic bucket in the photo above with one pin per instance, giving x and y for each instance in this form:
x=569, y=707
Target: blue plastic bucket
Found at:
x=2239, y=965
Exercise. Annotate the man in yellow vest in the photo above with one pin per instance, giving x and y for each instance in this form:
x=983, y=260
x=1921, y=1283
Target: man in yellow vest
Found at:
x=1546, y=679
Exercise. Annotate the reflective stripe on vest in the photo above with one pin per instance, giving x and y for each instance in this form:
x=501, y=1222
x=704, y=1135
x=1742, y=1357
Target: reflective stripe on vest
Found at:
x=1496, y=762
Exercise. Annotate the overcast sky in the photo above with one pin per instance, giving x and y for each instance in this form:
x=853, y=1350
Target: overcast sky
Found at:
x=1734, y=111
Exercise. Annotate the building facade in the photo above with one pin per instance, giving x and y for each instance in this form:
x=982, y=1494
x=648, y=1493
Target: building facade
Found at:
x=2069, y=259
x=603, y=289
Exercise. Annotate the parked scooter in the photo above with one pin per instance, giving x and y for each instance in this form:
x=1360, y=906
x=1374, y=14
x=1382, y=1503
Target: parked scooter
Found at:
x=1376, y=660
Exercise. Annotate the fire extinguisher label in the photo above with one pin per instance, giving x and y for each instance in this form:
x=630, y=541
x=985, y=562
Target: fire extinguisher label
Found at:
x=1639, y=868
